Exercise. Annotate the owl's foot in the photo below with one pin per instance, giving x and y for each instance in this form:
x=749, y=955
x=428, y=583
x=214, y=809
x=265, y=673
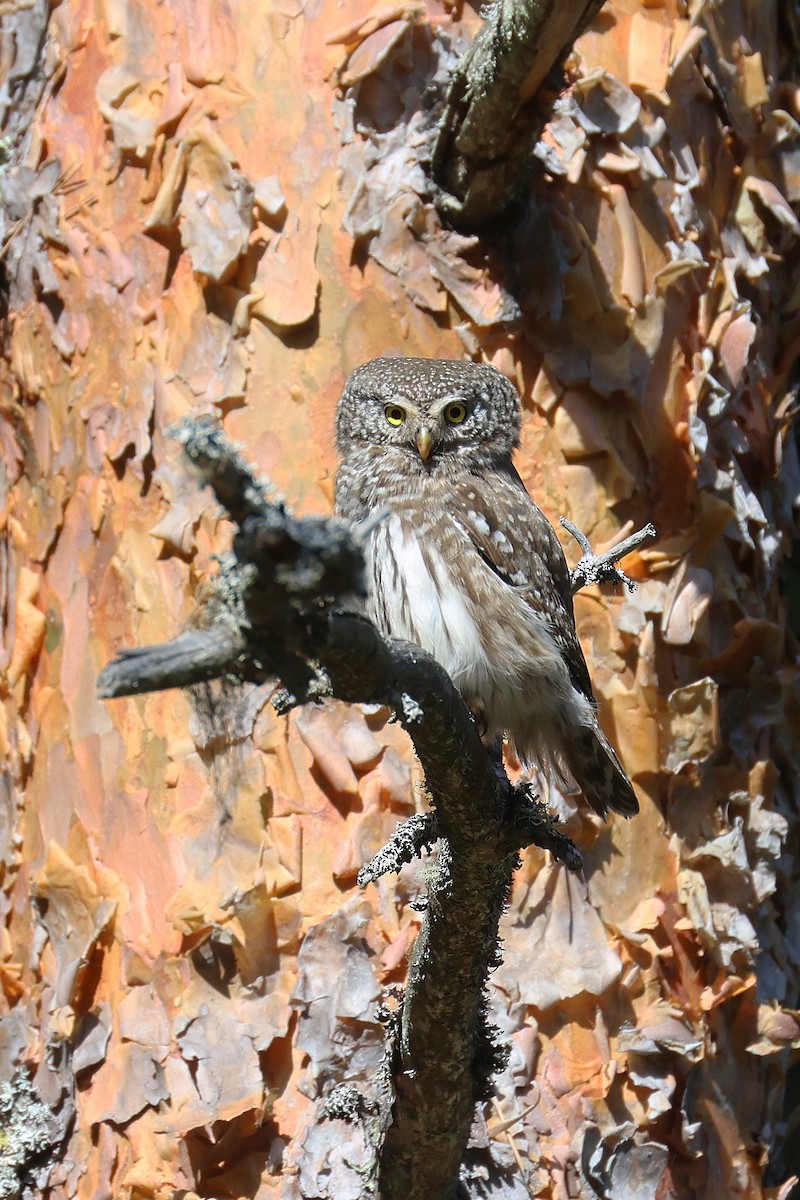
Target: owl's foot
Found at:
x=478, y=711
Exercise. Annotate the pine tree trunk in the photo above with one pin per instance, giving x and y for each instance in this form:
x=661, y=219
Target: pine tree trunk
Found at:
x=222, y=209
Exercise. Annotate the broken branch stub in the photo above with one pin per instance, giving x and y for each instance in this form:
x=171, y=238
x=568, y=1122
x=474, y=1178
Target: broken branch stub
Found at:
x=602, y=568
x=496, y=107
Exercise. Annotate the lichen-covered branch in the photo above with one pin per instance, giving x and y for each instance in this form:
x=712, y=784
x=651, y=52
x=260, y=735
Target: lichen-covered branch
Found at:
x=279, y=610
x=602, y=568
x=407, y=842
x=494, y=108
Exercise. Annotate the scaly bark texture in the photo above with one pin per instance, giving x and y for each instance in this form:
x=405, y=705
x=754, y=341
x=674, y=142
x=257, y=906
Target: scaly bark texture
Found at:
x=224, y=211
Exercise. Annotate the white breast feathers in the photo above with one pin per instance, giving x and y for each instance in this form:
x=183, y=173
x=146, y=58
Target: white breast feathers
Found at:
x=414, y=596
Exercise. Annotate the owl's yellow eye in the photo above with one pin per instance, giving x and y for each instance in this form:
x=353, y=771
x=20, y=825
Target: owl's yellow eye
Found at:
x=394, y=414
x=455, y=413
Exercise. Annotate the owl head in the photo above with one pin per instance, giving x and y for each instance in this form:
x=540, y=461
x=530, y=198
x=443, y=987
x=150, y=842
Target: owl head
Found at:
x=430, y=410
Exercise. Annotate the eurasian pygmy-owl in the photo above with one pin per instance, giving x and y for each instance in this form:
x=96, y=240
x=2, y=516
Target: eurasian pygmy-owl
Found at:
x=466, y=565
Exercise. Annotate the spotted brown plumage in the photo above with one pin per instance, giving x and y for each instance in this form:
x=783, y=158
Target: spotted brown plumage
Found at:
x=466, y=565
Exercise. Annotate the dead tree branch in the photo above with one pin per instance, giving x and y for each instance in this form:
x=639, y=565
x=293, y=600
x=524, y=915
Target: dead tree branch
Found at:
x=495, y=108
x=602, y=568
x=280, y=611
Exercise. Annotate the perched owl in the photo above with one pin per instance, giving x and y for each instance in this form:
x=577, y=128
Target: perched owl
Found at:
x=466, y=565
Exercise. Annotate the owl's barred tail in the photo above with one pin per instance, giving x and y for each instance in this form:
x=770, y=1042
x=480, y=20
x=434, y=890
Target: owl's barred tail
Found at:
x=599, y=773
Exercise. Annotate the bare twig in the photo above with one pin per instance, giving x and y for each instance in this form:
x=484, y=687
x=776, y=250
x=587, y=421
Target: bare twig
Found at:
x=601, y=568
x=16, y=229
x=194, y=657
x=406, y=843
x=217, y=462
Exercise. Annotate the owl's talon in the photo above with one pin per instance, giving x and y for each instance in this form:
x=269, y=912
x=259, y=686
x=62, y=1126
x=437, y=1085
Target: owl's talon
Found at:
x=478, y=713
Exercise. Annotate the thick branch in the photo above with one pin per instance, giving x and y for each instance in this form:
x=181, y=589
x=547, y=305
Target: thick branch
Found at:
x=446, y=1055
x=495, y=110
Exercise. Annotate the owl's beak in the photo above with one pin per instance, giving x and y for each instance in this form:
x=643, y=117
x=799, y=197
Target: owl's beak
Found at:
x=424, y=441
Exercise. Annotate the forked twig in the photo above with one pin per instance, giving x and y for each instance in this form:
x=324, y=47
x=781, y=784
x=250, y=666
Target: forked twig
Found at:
x=602, y=568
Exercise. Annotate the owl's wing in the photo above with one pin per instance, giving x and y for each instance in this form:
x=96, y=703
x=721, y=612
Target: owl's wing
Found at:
x=514, y=538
